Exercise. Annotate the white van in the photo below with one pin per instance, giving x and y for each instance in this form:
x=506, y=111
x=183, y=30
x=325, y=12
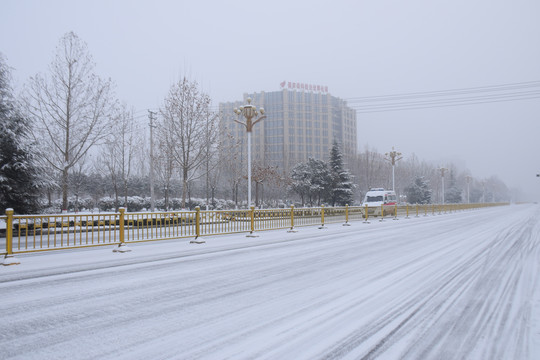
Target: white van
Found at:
x=376, y=197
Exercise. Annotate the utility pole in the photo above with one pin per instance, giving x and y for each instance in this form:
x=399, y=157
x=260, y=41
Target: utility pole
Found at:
x=151, y=115
x=442, y=170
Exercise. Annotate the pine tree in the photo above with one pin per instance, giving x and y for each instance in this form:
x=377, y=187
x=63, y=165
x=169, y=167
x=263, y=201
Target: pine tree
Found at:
x=452, y=195
x=311, y=180
x=19, y=184
x=341, y=184
x=418, y=192
x=300, y=177
x=320, y=180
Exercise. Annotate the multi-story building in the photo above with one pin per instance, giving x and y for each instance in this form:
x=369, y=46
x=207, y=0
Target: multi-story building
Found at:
x=301, y=121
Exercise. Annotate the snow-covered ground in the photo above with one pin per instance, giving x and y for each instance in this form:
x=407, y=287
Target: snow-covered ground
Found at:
x=453, y=286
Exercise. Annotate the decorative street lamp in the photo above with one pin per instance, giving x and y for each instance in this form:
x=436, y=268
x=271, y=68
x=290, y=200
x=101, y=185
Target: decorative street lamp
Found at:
x=469, y=178
x=442, y=170
x=151, y=115
x=393, y=156
x=249, y=112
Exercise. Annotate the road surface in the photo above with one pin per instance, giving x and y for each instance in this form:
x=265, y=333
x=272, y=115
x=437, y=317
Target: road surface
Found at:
x=453, y=286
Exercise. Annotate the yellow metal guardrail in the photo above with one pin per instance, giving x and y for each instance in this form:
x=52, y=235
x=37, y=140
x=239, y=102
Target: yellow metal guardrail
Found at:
x=32, y=233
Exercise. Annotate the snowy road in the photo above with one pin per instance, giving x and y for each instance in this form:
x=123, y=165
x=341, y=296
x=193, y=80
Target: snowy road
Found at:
x=454, y=286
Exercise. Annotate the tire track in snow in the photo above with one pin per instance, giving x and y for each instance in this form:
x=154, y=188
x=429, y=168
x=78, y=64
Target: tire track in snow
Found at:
x=491, y=311
x=372, y=292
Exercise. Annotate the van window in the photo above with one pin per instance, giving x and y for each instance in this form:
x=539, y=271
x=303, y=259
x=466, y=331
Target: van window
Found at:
x=374, y=198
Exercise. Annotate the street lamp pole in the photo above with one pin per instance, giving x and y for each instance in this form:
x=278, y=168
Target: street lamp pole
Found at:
x=151, y=115
x=393, y=156
x=249, y=112
x=469, y=178
x=442, y=170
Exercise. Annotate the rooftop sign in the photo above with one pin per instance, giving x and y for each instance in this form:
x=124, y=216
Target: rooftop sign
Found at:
x=302, y=86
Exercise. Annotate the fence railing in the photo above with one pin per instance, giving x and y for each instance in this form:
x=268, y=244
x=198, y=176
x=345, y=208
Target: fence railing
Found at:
x=33, y=233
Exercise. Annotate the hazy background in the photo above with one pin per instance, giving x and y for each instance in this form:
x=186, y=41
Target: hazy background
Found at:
x=356, y=48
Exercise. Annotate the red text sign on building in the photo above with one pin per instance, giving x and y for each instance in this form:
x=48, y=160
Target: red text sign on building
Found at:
x=302, y=86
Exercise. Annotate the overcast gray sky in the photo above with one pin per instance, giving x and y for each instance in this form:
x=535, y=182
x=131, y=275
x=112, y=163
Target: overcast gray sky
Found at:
x=357, y=48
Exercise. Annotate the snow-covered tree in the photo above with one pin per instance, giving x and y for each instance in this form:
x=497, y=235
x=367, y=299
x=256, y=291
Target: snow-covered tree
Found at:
x=320, y=181
x=262, y=174
x=418, y=192
x=300, y=181
x=19, y=182
x=118, y=153
x=453, y=194
x=341, y=188
x=70, y=108
x=311, y=180
x=184, y=122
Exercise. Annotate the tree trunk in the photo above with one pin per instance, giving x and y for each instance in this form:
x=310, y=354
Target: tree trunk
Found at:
x=125, y=194
x=65, y=189
x=116, y=202
x=256, y=193
x=236, y=195
x=184, y=187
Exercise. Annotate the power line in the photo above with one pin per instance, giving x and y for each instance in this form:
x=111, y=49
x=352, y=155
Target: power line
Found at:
x=445, y=98
x=501, y=87
x=448, y=102
x=528, y=90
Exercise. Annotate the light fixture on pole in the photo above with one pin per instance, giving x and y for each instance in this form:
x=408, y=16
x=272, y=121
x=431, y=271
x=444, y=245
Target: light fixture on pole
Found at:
x=442, y=170
x=393, y=156
x=249, y=112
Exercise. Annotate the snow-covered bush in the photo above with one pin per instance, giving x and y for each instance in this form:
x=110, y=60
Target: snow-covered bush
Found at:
x=137, y=203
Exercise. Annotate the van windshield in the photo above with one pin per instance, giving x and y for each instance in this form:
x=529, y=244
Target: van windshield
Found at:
x=374, y=198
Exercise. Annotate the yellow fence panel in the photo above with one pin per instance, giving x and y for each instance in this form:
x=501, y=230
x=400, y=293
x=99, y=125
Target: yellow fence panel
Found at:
x=30, y=233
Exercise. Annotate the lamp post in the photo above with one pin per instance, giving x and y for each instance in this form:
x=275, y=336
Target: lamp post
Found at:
x=393, y=156
x=249, y=112
x=151, y=115
x=469, y=178
x=442, y=170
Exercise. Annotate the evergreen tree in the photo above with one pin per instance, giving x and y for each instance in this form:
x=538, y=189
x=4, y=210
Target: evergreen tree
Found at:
x=311, y=180
x=300, y=177
x=341, y=192
x=418, y=192
x=320, y=180
x=452, y=195
x=19, y=184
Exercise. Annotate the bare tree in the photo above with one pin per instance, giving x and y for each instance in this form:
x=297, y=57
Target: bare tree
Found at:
x=70, y=107
x=118, y=152
x=108, y=166
x=232, y=162
x=211, y=153
x=261, y=175
x=165, y=167
x=128, y=142
x=184, y=120
x=370, y=169
x=77, y=180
